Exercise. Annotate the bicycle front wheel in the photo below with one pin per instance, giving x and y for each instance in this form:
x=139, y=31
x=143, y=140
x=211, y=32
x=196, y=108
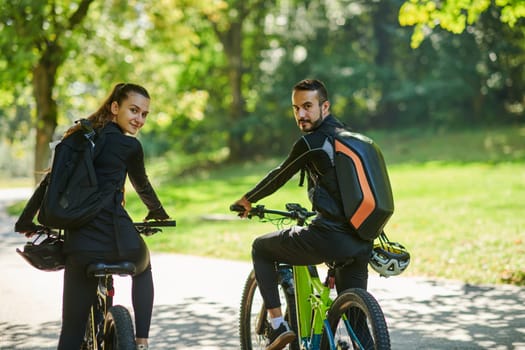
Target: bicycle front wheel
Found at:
x=253, y=321
x=356, y=322
x=118, y=329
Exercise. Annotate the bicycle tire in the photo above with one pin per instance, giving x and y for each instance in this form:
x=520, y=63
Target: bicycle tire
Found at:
x=253, y=322
x=365, y=318
x=119, y=332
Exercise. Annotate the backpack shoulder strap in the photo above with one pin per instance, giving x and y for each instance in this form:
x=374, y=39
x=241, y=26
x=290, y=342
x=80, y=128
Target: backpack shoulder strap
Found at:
x=303, y=170
x=301, y=177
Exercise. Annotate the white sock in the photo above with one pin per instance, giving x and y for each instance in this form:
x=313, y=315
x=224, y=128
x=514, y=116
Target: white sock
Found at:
x=276, y=322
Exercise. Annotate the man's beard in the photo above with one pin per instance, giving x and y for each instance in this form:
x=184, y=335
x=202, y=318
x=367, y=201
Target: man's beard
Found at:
x=313, y=126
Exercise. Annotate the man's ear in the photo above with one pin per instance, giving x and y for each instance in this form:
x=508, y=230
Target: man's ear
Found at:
x=325, y=108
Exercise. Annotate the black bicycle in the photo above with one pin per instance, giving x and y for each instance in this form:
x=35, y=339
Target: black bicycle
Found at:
x=109, y=326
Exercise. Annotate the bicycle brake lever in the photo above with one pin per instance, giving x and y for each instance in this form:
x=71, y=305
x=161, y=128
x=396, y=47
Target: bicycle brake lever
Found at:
x=148, y=231
x=258, y=211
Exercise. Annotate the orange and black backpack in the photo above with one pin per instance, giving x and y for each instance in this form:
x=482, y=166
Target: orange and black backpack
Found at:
x=363, y=182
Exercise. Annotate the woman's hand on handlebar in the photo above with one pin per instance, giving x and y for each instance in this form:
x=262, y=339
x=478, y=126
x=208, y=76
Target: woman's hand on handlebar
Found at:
x=28, y=229
x=246, y=204
x=157, y=214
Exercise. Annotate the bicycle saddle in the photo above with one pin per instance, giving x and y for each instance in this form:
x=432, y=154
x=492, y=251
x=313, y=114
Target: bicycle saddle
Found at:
x=102, y=269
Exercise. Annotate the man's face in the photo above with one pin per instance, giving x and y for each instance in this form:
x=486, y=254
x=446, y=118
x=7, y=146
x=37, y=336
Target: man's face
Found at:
x=307, y=110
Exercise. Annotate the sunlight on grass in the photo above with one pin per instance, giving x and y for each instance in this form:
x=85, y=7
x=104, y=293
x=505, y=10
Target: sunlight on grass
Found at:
x=461, y=222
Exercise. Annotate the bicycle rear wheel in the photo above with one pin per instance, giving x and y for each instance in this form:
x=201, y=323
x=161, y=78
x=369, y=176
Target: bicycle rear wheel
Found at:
x=357, y=322
x=253, y=321
x=118, y=329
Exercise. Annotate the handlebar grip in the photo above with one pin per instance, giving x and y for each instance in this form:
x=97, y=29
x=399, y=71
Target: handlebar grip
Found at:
x=156, y=223
x=237, y=207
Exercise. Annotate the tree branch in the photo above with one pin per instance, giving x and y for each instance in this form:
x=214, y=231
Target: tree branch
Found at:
x=79, y=14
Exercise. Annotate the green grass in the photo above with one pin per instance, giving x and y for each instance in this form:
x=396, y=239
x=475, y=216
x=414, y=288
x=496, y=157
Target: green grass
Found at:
x=459, y=205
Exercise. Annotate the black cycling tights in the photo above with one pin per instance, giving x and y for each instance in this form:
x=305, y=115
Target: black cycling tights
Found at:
x=80, y=293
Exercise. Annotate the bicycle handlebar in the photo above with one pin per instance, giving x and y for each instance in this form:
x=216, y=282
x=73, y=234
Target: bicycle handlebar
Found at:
x=293, y=211
x=148, y=228
x=157, y=223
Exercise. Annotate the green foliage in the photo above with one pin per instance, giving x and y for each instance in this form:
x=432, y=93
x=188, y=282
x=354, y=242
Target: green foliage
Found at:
x=177, y=49
x=454, y=15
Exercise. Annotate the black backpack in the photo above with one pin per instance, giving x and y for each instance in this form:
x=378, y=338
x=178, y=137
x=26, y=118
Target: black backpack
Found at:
x=363, y=183
x=72, y=197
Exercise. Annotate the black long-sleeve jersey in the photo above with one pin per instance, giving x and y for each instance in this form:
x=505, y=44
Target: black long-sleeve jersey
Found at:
x=314, y=153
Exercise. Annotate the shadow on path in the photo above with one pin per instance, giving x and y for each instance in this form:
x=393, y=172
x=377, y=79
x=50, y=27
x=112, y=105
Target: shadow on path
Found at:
x=459, y=316
x=202, y=313
x=192, y=324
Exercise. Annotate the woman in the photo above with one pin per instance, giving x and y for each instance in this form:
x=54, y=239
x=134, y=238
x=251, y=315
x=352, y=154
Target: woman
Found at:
x=111, y=236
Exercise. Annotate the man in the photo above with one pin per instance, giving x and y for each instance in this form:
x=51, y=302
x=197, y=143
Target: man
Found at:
x=328, y=237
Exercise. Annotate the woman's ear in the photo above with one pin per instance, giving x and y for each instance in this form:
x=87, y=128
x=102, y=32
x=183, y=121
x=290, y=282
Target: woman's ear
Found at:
x=114, y=107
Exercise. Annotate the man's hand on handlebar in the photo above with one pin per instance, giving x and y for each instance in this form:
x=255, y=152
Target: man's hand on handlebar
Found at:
x=246, y=204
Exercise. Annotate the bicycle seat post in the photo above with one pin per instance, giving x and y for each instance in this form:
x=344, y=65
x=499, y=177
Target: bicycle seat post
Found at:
x=105, y=285
x=330, y=278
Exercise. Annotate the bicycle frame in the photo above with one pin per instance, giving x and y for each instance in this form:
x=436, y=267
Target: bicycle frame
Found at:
x=312, y=300
x=98, y=311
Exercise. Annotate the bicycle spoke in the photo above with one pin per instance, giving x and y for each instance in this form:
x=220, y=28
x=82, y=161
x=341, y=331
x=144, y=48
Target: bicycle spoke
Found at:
x=357, y=322
x=254, y=324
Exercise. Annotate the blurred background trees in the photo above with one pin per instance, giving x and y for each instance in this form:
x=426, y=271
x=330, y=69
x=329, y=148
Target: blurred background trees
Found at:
x=220, y=72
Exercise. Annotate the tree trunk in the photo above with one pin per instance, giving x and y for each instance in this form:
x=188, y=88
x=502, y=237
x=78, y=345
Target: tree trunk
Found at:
x=231, y=39
x=233, y=49
x=383, y=18
x=46, y=107
x=44, y=75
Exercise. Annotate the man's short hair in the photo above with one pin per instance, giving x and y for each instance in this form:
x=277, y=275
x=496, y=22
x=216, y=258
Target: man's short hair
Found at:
x=313, y=85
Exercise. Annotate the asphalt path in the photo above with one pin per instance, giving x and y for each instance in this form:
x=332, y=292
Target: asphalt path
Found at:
x=197, y=302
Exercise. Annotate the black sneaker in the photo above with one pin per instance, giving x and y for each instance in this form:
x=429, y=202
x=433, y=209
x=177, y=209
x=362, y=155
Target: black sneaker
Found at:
x=280, y=337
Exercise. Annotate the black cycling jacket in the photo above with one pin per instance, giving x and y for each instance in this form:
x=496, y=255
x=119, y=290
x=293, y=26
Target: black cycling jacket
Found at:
x=313, y=152
x=112, y=230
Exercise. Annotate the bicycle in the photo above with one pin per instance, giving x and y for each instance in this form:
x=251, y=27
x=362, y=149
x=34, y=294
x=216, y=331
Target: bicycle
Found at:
x=109, y=326
x=351, y=320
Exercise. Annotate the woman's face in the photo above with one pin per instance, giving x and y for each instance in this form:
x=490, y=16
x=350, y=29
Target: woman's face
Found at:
x=131, y=114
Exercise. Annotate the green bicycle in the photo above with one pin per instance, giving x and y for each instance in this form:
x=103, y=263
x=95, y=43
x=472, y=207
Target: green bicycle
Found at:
x=351, y=320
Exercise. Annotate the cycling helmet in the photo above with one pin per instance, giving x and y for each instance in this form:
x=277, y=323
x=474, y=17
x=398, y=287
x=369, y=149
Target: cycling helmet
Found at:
x=46, y=254
x=389, y=258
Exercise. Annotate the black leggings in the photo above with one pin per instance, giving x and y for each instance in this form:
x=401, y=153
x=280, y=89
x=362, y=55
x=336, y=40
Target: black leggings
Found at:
x=308, y=246
x=80, y=293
